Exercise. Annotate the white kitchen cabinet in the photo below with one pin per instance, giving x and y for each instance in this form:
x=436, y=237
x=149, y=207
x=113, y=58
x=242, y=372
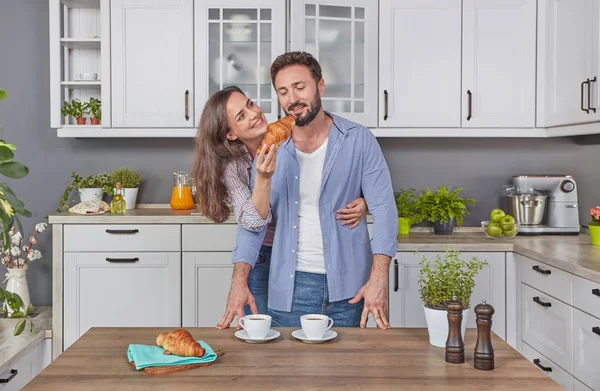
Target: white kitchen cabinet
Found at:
x=16, y=375
x=555, y=372
x=128, y=289
x=498, y=63
x=406, y=307
x=235, y=43
x=206, y=281
x=586, y=352
x=567, y=62
x=152, y=57
x=342, y=35
x=419, y=63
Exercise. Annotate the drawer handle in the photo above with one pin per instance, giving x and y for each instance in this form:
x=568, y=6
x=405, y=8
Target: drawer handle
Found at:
x=596, y=292
x=536, y=361
x=13, y=373
x=537, y=269
x=537, y=300
x=596, y=330
x=395, y=275
x=122, y=260
x=122, y=231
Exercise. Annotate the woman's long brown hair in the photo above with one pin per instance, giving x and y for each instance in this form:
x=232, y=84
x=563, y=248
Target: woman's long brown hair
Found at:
x=213, y=152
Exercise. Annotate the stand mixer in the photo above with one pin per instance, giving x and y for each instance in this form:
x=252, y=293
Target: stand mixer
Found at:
x=545, y=204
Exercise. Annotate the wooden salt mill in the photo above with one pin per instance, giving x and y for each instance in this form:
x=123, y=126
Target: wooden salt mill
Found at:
x=484, y=352
x=455, y=346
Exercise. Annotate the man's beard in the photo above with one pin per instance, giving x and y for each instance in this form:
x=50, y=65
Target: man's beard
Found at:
x=306, y=119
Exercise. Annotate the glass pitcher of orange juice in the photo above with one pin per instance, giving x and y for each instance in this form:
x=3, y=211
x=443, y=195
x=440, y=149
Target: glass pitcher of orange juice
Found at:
x=181, y=196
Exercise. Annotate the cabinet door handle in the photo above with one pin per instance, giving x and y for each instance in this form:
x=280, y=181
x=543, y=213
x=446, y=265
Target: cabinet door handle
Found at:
x=583, y=83
x=187, y=104
x=469, y=104
x=396, y=275
x=122, y=231
x=590, y=93
x=13, y=373
x=596, y=292
x=596, y=330
x=543, y=368
x=385, y=105
x=122, y=260
x=537, y=300
x=542, y=271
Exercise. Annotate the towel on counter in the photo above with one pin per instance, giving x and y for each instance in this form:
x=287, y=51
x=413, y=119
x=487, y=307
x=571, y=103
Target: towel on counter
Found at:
x=152, y=356
x=91, y=207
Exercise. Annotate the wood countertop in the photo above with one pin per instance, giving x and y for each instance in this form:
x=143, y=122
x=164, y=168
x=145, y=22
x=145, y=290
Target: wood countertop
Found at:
x=367, y=359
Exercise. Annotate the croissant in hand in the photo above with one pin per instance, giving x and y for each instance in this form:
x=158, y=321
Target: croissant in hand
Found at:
x=278, y=132
x=181, y=343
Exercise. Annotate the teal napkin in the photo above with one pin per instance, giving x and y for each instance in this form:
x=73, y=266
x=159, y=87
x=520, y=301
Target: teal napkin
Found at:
x=152, y=356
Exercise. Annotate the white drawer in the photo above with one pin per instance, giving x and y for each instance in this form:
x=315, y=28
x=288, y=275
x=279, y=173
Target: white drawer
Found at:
x=120, y=237
x=547, y=326
x=579, y=386
x=209, y=237
x=586, y=341
x=24, y=369
x=556, y=373
x=586, y=296
x=548, y=279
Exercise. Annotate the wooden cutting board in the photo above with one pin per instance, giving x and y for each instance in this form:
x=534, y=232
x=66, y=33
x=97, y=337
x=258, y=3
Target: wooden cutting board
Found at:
x=165, y=370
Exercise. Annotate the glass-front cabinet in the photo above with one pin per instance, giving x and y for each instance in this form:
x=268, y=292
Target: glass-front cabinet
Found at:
x=235, y=44
x=342, y=35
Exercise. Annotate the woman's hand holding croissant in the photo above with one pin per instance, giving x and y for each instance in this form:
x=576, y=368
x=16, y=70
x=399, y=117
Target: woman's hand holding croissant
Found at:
x=265, y=166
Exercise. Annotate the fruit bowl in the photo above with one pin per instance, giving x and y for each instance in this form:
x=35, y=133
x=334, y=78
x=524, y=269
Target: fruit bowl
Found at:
x=499, y=231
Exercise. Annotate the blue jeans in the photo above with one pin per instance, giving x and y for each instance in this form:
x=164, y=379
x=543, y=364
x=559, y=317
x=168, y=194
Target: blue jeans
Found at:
x=311, y=297
x=258, y=281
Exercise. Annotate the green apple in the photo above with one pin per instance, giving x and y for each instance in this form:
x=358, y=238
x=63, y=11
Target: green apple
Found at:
x=509, y=229
x=506, y=219
x=494, y=230
x=496, y=214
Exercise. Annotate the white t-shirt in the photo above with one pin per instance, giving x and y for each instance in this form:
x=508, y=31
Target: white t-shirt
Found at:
x=310, y=241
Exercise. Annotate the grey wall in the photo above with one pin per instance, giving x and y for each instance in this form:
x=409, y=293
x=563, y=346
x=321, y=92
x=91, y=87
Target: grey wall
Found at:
x=480, y=166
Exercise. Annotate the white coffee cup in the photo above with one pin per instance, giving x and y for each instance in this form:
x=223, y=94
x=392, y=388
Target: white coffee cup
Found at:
x=257, y=326
x=315, y=325
x=86, y=76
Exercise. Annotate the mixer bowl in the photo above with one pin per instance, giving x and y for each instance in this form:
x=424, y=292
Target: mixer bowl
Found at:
x=527, y=208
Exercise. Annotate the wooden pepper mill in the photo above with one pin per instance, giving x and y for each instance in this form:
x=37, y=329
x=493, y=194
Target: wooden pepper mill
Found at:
x=455, y=346
x=484, y=352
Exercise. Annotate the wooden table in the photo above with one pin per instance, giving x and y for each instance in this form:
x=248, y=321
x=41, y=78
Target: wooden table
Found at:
x=365, y=359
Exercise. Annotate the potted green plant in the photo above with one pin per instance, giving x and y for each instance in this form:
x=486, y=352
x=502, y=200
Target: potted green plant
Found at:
x=77, y=109
x=444, y=208
x=130, y=183
x=10, y=205
x=409, y=210
x=441, y=280
x=95, y=109
x=13, y=304
x=89, y=188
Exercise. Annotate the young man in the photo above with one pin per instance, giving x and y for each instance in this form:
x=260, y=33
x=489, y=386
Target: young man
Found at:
x=317, y=265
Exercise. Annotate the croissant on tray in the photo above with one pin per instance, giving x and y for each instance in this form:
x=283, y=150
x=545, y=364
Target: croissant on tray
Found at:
x=278, y=132
x=181, y=343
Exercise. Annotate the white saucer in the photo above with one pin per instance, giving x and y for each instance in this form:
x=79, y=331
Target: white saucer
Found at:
x=299, y=334
x=243, y=334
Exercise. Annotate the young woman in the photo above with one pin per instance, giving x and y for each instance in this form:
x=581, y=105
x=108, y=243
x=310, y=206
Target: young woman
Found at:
x=229, y=134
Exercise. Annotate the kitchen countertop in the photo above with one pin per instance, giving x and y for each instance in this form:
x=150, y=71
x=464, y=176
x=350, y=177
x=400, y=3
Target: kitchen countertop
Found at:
x=11, y=347
x=368, y=359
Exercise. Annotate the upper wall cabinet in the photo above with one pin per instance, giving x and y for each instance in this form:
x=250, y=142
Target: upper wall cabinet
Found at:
x=152, y=63
x=342, y=35
x=235, y=44
x=429, y=46
x=567, y=71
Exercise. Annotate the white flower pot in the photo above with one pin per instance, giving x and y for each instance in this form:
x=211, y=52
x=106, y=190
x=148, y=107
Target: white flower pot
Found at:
x=17, y=283
x=437, y=326
x=130, y=195
x=92, y=194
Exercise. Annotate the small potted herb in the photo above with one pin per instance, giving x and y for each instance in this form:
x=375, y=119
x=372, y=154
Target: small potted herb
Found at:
x=441, y=280
x=130, y=183
x=444, y=208
x=409, y=210
x=89, y=188
x=95, y=109
x=77, y=109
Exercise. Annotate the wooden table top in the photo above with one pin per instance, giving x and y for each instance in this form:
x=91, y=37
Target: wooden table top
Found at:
x=366, y=359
